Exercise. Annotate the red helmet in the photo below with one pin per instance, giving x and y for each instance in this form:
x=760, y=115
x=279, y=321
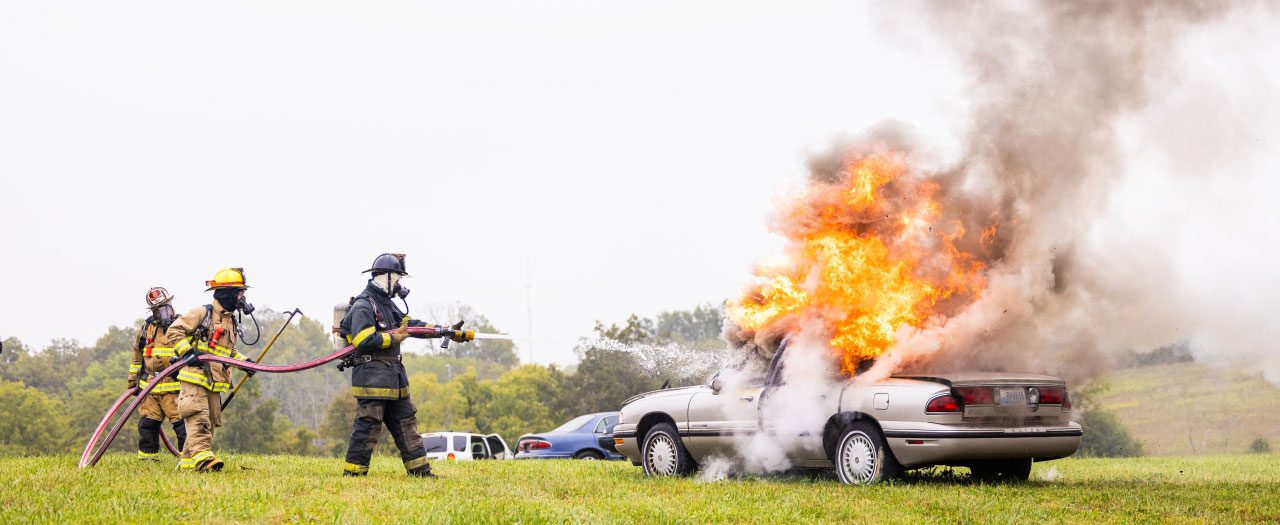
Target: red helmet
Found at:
x=158, y=296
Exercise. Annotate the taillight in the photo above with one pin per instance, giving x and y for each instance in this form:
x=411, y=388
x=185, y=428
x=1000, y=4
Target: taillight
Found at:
x=1066, y=401
x=451, y=456
x=1053, y=395
x=533, y=444
x=943, y=403
x=977, y=395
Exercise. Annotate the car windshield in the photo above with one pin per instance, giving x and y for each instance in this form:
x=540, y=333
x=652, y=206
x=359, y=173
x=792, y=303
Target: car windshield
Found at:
x=434, y=443
x=574, y=424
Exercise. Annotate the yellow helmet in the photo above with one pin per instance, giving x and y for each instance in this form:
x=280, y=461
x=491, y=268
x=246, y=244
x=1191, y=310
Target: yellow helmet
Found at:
x=227, y=278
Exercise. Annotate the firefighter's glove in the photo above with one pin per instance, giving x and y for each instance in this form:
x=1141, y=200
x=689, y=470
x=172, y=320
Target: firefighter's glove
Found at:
x=133, y=382
x=249, y=372
x=399, y=335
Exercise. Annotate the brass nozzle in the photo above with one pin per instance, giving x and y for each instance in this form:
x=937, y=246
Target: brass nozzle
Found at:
x=470, y=335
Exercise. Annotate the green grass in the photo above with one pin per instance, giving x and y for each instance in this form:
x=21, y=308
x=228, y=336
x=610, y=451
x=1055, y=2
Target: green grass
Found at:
x=1189, y=408
x=291, y=489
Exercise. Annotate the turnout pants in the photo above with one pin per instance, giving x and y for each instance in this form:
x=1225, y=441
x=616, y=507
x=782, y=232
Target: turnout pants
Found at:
x=400, y=420
x=155, y=409
x=201, y=411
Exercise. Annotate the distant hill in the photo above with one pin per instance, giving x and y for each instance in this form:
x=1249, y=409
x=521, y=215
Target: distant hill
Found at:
x=1189, y=408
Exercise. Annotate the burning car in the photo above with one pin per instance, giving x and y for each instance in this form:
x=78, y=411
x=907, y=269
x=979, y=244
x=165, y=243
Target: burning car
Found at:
x=996, y=424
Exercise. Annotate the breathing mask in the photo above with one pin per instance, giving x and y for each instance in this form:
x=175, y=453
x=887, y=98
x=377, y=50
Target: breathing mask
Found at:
x=163, y=315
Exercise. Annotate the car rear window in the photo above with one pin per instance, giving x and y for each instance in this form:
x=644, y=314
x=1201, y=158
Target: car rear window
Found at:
x=459, y=443
x=575, y=423
x=434, y=443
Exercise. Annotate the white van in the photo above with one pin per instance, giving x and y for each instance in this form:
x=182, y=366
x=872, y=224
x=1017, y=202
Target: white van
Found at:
x=465, y=446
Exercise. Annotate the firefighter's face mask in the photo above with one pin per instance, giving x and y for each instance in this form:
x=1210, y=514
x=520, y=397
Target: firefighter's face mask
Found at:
x=163, y=315
x=390, y=283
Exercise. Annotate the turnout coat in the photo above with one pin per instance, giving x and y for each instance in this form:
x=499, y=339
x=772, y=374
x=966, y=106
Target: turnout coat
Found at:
x=378, y=373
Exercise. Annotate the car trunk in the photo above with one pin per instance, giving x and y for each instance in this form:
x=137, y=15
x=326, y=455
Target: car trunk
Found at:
x=1007, y=400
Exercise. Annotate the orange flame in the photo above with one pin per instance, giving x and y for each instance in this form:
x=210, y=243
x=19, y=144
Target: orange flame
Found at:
x=870, y=252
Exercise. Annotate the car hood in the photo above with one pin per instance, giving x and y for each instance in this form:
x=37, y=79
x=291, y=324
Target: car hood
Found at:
x=688, y=390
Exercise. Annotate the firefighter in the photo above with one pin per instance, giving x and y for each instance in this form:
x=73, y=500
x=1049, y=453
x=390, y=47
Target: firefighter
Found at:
x=152, y=354
x=376, y=327
x=211, y=328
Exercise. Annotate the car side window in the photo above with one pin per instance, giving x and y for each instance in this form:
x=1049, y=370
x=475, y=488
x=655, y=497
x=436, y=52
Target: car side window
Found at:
x=600, y=426
x=609, y=423
x=477, y=448
x=459, y=443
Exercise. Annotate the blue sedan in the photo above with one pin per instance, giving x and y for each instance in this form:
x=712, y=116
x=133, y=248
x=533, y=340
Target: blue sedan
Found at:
x=577, y=439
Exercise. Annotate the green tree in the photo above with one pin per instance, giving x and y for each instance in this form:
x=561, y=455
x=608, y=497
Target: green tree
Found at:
x=441, y=406
x=703, y=323
x=31, y=422
x=604, y=379
x=251, y=423
x=336, y=429
x=1260, y=446
x=1105, y=437
x=522, y=400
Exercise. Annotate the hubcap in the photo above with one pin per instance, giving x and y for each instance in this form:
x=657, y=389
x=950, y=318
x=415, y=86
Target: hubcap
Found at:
x=858, y=458
x=661, y=455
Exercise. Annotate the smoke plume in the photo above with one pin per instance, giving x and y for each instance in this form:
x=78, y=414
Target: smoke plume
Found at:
x=1025, y=203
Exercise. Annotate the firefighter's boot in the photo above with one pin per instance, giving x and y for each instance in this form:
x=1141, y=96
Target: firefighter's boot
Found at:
x=207, y=462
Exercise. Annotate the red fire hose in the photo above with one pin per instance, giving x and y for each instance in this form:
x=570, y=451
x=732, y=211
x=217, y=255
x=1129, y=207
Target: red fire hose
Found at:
x=92, y=452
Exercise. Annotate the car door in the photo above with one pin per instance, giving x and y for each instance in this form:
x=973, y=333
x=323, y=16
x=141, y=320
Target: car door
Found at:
x=718, y=415
x=803, y=437
x=498, y=447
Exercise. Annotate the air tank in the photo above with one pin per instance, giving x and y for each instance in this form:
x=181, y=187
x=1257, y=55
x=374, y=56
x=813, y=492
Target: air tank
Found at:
x=339, y=313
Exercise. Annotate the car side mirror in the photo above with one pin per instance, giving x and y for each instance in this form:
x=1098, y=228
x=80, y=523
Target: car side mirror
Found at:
x=716, y=385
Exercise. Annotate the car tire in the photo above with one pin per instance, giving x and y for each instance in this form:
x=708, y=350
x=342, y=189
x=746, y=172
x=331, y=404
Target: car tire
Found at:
x=588, y=454
x=862, y=457
x=663, y=454
x=1003, y=470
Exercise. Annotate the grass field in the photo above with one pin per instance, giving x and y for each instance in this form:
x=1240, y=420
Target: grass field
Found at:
x=1214, y=410
x=291, y=489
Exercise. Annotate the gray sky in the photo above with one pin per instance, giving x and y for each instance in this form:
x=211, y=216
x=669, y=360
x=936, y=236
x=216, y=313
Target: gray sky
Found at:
x=618, y=157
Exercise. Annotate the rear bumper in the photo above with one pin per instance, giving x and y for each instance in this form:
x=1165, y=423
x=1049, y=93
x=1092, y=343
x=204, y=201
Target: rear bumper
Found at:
x=951, y=445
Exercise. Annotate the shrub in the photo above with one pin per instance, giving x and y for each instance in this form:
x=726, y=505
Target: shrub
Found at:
x=1105, y=437
x=1260, y=446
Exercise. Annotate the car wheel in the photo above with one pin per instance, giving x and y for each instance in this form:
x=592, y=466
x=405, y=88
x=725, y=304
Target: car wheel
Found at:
x=1004, y=470
x=862, y=457
x=588, y=454
x=663, y=454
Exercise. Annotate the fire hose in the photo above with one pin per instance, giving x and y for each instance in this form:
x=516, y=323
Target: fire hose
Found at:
x=93, y=452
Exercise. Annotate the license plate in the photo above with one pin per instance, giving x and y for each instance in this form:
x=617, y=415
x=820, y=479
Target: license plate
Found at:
x=1012, y=396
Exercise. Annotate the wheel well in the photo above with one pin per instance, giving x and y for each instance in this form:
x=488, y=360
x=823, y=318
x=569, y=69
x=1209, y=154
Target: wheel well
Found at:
x=836, y=423
x=591, y=450
x=648, y=421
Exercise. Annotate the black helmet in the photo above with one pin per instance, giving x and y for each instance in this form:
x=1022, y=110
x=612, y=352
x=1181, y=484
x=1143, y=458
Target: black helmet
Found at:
x=388, y=263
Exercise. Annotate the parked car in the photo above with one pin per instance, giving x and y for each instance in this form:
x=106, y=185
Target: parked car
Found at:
x=465, y=446
x=994, y=423
x=577, y=439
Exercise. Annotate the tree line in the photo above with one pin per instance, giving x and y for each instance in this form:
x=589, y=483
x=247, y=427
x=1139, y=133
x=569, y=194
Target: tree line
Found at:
x=51, y=398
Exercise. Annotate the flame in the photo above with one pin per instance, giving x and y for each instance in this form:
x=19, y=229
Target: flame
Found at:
x=870, y=252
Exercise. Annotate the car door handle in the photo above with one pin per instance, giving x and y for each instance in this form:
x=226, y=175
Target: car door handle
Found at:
x=747, y=398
